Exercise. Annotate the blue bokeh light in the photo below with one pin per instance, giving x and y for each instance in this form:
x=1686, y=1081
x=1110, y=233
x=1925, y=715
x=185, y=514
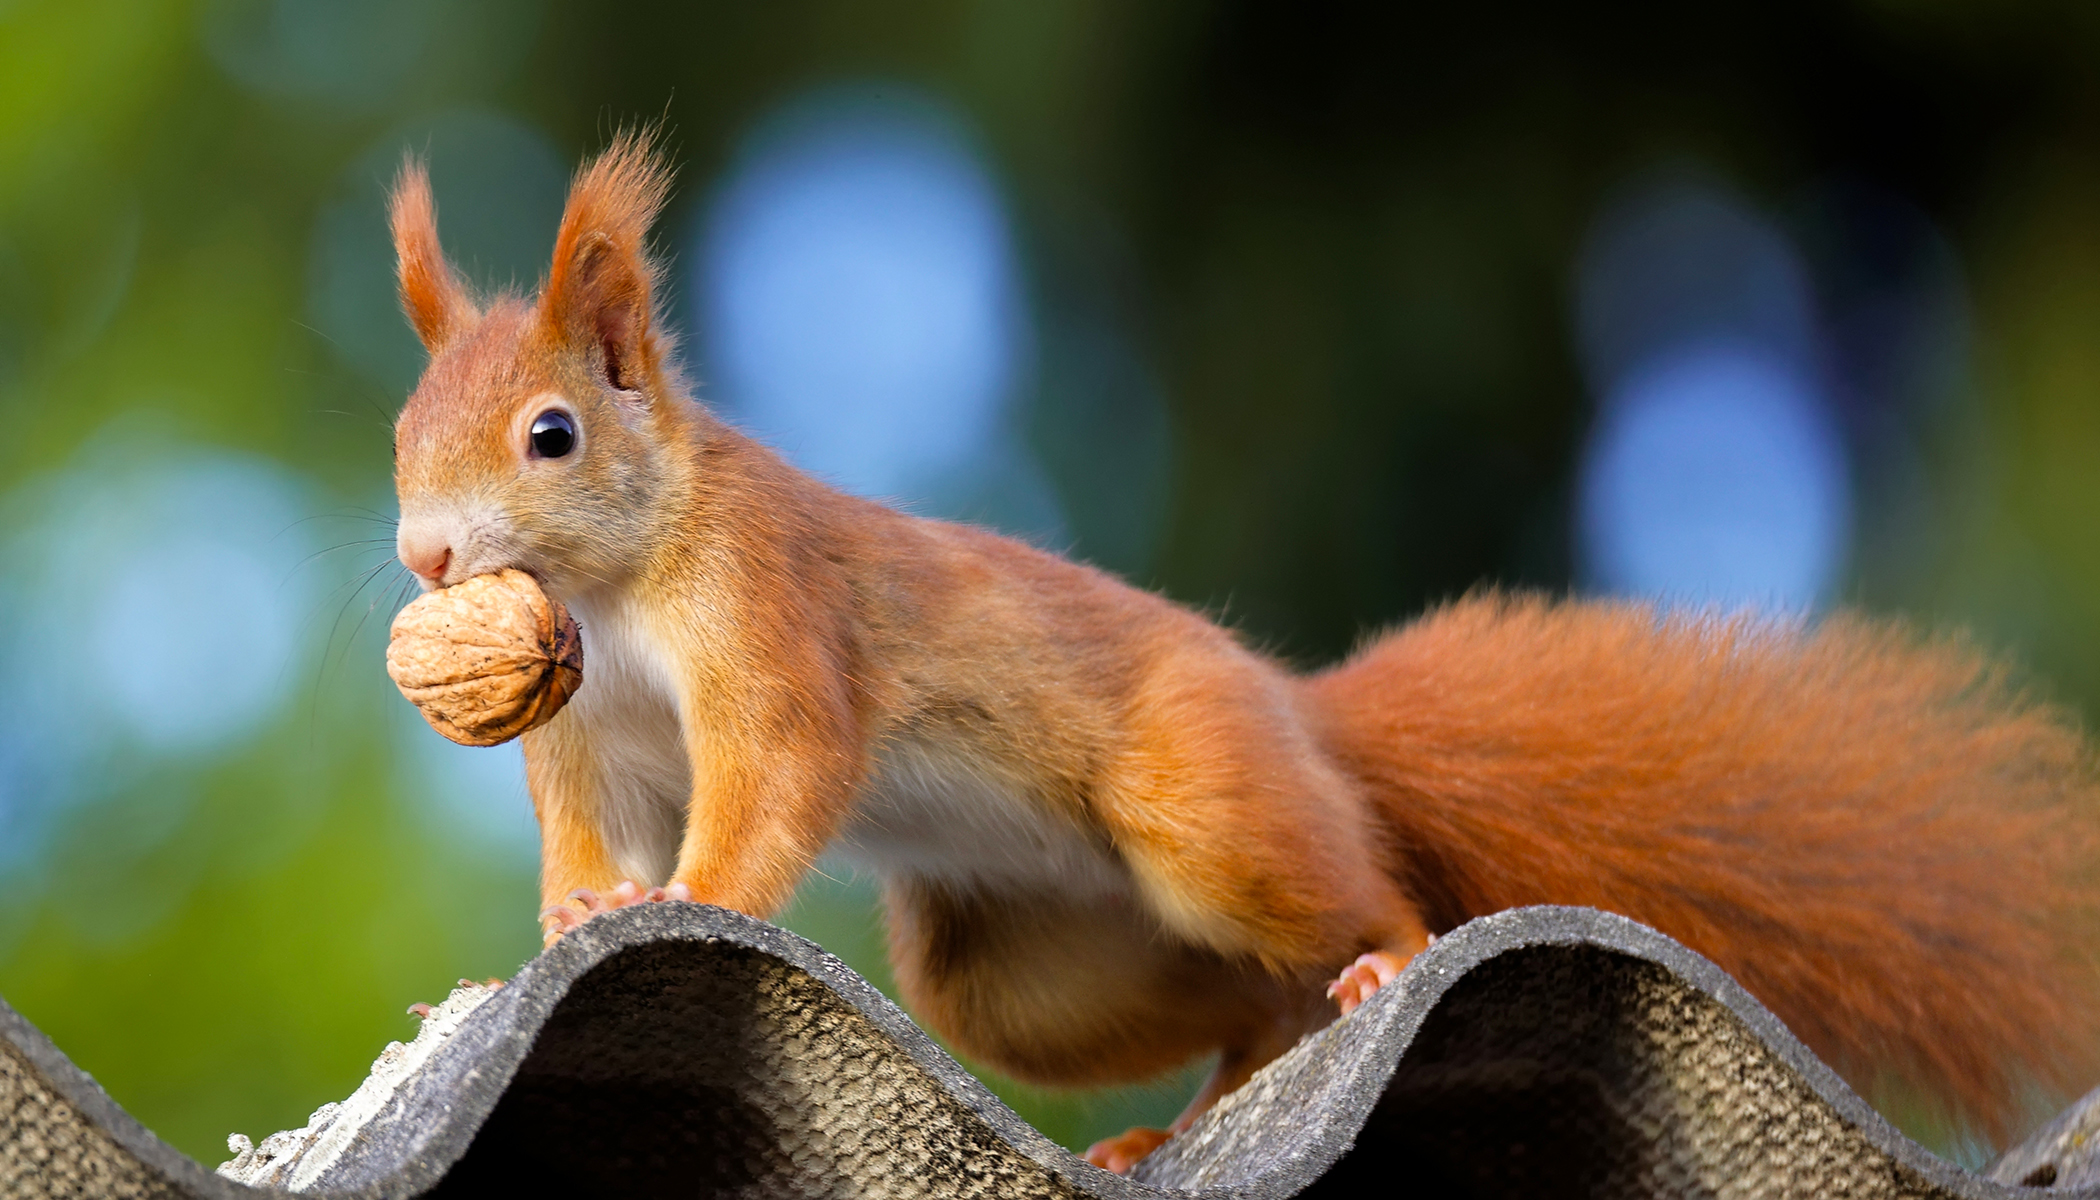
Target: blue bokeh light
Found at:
x=1716, y=472
x=1716, y=475
x=861, y=304
x=154, y=613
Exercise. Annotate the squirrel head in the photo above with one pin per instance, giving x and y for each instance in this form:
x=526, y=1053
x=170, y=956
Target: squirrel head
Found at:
x=541, y=435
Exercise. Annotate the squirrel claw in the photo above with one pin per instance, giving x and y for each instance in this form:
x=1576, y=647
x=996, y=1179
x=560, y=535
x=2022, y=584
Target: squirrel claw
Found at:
x=1363, y=977
x=559, y=919
x=421, y=1012
x=1122, y=1152
x=556, y=920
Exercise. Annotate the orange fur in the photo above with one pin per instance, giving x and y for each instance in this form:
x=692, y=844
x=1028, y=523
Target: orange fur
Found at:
x=1876, y=836
x=598, y=291
x=1110, y=836
x=431, y=293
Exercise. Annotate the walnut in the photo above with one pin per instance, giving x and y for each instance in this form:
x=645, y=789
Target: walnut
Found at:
x=486, y=659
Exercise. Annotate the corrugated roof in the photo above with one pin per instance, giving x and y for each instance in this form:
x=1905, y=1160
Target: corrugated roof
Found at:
x=676, y=1048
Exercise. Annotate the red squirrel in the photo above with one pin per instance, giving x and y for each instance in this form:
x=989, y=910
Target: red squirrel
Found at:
x=1110, y=836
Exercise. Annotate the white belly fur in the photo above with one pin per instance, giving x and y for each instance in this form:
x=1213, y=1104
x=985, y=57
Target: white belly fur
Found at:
x=943, y=813
x=933, y=809
x=631, y=711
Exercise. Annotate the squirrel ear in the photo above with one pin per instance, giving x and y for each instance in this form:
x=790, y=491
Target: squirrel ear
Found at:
x=431, y=293
x=598, y=291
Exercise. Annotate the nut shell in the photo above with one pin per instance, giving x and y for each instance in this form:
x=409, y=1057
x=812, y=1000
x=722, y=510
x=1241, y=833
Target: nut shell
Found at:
x=487, y=658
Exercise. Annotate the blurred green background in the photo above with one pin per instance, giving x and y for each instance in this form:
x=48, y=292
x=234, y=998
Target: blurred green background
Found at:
x=1308, y=314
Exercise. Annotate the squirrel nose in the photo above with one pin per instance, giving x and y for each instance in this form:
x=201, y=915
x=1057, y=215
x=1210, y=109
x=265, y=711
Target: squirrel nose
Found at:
x=427, y=558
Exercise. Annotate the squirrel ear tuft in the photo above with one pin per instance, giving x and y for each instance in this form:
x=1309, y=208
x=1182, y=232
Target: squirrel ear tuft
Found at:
x=431, y=293
x=598, y=291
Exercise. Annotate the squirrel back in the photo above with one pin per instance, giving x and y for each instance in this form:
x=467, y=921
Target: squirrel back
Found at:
x=1880, y=838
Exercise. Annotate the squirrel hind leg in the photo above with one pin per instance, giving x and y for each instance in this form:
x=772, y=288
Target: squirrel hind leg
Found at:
x=1236, y=1065
x=1365, y=976
x=1402, y=936
x=1123, y=1151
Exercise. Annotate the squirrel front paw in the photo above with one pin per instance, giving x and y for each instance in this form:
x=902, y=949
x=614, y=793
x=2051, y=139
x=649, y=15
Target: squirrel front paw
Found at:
x=558, y=919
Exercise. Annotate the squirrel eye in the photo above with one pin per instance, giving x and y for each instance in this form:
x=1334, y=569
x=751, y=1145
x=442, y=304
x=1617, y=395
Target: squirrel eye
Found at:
x=553, y=434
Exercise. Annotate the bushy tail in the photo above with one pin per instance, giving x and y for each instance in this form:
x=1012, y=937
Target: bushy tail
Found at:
x=1875, y=835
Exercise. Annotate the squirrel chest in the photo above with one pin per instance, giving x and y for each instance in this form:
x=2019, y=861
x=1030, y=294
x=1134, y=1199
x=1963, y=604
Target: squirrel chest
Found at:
x=626, y=708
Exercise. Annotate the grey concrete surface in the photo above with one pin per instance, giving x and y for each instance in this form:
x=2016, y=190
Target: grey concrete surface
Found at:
x=677, y=1049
